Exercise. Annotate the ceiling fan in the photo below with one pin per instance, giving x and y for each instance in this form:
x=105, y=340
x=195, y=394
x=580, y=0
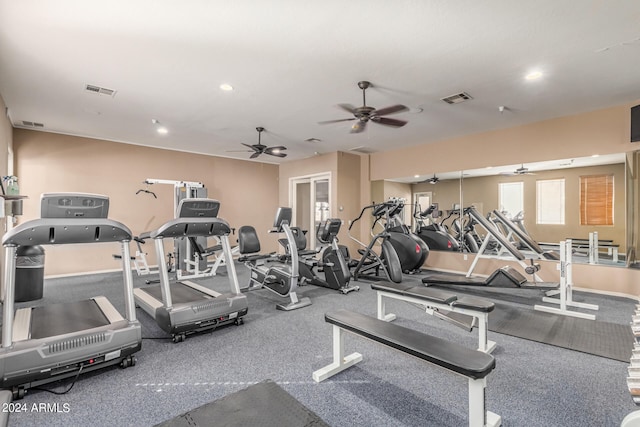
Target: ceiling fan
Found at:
x=520, y=171
x=259, y=148
x=433, y=180
x=365, y=113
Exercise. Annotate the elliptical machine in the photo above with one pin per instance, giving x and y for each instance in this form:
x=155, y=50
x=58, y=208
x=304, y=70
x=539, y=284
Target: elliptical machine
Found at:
x=281, y=277
x=400, y=250
x=435, y=235
x=412, y=250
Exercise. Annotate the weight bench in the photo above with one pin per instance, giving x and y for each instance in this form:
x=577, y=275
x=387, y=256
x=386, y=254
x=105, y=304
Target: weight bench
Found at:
x=434, y=300
x=473, y=364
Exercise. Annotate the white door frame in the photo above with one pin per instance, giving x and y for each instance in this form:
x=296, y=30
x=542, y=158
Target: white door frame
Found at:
x=311, y=179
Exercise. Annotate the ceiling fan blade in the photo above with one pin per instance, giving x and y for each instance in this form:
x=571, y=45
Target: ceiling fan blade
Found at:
x=391, y=110
x=253, y=147
x=335, y=121
x=358, y=126
x=389, y=122
x=254, y=155
x=239, y=151
x=348, y=107
x=277, y=154
x=274, y=151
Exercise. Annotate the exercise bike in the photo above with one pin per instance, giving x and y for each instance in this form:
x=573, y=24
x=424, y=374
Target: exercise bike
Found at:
x=332, y=258
x=435, y=235
x=278, y=274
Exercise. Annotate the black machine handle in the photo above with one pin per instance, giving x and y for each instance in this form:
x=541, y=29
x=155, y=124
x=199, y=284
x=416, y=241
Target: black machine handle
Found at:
x=360, y=216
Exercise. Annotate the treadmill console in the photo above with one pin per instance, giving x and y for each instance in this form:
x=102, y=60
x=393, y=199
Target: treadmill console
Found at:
x=198, y=208
x=73, y=205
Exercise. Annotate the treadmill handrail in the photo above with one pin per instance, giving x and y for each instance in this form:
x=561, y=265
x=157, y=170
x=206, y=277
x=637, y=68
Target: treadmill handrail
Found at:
x=518, y=232
x=494, y=233
x=59, y=231
x=192, y=227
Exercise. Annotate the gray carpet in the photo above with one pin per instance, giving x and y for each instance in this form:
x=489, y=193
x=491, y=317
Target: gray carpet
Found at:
x=533, y=384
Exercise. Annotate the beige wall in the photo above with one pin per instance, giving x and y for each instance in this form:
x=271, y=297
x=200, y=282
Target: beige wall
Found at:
x=311, y=166
x=46, y=162
x=6, y=144
x=599, y=132
x=6, y=138
x=346, y=182
x=348, y=196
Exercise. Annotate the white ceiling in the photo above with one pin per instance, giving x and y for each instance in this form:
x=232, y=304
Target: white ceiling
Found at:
x=290, y=62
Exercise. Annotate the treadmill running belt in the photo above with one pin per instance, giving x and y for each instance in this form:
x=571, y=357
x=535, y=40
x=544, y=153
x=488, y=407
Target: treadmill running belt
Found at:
x=57, y=319
x=262, y=404
x=180, y=294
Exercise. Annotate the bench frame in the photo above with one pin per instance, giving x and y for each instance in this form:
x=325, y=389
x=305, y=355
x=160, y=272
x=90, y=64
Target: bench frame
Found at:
x=478, y=415
x=481, y=319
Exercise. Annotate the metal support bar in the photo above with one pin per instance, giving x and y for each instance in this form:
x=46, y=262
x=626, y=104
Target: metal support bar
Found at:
x=340, y=363
x=164, y=275
x=478, y=415
x=565, y=292
x=484, y=344
x=129, y=303
x=9, y=295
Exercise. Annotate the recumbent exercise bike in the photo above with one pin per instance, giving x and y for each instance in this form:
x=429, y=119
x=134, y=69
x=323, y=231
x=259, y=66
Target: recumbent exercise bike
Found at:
x=277, y=273
x=332, y=260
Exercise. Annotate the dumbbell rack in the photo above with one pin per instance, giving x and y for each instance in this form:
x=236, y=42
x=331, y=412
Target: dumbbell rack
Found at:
x=633, y=379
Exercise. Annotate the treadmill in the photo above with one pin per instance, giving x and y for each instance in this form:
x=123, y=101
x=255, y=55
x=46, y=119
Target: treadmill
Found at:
x=184, y=307
x=47, y=343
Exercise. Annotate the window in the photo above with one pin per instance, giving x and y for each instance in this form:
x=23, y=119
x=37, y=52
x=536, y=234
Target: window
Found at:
x=550, y=201
x=596, y=200
x=511, y=197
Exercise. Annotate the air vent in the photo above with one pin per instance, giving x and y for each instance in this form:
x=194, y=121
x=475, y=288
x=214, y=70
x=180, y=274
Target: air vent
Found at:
x=364, y=150
x=457, y=98
x=73, y=343
x=99, y=90
x=32, y=124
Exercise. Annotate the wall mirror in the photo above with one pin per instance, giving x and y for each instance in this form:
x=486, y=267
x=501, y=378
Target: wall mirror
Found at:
x=554, y=200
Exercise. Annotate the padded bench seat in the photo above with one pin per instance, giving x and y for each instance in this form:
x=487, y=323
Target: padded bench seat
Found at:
x=437, y=301
x=473, y=364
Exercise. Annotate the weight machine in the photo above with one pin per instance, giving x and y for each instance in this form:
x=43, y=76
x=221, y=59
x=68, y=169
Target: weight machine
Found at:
x=191, y=254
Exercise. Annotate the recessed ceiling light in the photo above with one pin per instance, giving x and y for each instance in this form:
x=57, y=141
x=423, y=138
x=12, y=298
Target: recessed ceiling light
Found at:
x=162, y=130
x=226, y=87
x=534, y=75
x=416, y=176
x=595, y=155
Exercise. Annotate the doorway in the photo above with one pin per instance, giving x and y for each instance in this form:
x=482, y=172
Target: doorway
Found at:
x=421, y=201
x=310, y=200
